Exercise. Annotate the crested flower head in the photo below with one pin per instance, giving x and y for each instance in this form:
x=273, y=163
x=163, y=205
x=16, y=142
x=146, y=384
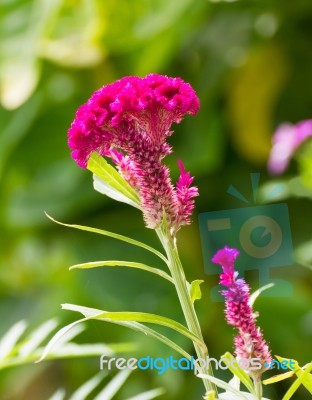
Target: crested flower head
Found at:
x=249, y=342
x=286, y=139
x=130, y=121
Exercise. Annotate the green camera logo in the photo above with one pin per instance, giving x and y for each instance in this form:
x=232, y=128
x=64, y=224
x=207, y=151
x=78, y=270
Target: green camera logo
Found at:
x=261, y=233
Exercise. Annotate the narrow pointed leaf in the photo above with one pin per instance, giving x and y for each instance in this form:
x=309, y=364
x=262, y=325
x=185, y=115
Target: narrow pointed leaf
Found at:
x=294, y=362
x=73, y=350
x=151, y=319
x=58, y=337
x=10, y=338
x=68, y=336
x=239, y=373
x=149, y=395
x=112, y=235
x=293, y=388
x=255, y=294
x=307, y=383
x=83, y=391
x=113, y=386
x=113, y=263
x=278, y=378
x=37, y=337
x=90, y=313
x=223, y=385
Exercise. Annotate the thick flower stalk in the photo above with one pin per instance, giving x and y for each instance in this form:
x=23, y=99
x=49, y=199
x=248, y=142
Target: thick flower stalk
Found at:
x=129, y=121
x=286, y=140
x=249, y=342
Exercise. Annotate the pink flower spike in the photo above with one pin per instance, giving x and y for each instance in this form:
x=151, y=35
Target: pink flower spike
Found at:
x=286, y=139
x=185, y=195
x=249, y=343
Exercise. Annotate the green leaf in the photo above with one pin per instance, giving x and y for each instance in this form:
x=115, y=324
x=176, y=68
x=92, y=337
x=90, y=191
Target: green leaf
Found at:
x=293, y=388
x=281, y=359
x=299, y=371
x=239, y=373
x=60, y=347
x=307, y=382
x=144, y=317
x=90, y=313
x=255, y=294
x=36, y=338
x=210, y=396
x=195, y=291
x=66, y=338
x=112, y=235
x=113, y=263
x=104, y=188
x=59, y=336
x=151, y=319
x=73, y=350
x=108, y=181
x=18, y=351
x=84, y=390
x=223, y=385
x=113, y=386
x=278, y=378
x=10, y=338
x=149, y=395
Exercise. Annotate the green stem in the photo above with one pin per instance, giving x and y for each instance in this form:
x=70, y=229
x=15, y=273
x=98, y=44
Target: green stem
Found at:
x=258, y=388
x=188, y=309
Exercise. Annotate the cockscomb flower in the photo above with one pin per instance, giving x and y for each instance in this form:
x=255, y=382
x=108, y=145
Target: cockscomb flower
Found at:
x=129, y=121
x=249, y=342
x=286, y=140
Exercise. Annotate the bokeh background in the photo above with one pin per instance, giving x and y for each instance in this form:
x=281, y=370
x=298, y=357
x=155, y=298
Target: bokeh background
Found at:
x=251, y=65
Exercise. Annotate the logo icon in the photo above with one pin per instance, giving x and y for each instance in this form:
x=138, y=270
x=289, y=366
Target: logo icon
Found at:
x=260, y=232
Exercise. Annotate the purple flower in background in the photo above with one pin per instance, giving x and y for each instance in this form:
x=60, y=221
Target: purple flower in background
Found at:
x=249, y=342
x=130, y=121
x=286, y=139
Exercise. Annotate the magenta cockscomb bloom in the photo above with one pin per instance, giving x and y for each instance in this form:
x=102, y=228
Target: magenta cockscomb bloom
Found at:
x=286, y=139
x=130, y=121
x=249, y=342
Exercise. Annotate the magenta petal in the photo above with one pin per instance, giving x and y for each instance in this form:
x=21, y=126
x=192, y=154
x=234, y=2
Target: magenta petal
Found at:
x=239, y=313
x=226, y=258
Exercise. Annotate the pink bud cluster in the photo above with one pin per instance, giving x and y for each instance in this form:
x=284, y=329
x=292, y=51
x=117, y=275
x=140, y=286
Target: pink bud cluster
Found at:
x=129, y=121
x=249, y=343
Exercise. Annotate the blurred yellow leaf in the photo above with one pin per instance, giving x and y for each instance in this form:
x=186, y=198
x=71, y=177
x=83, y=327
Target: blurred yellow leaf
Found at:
x=252, y=97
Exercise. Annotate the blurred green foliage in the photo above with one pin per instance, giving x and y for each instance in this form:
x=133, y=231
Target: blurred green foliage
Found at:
x=250, y=62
